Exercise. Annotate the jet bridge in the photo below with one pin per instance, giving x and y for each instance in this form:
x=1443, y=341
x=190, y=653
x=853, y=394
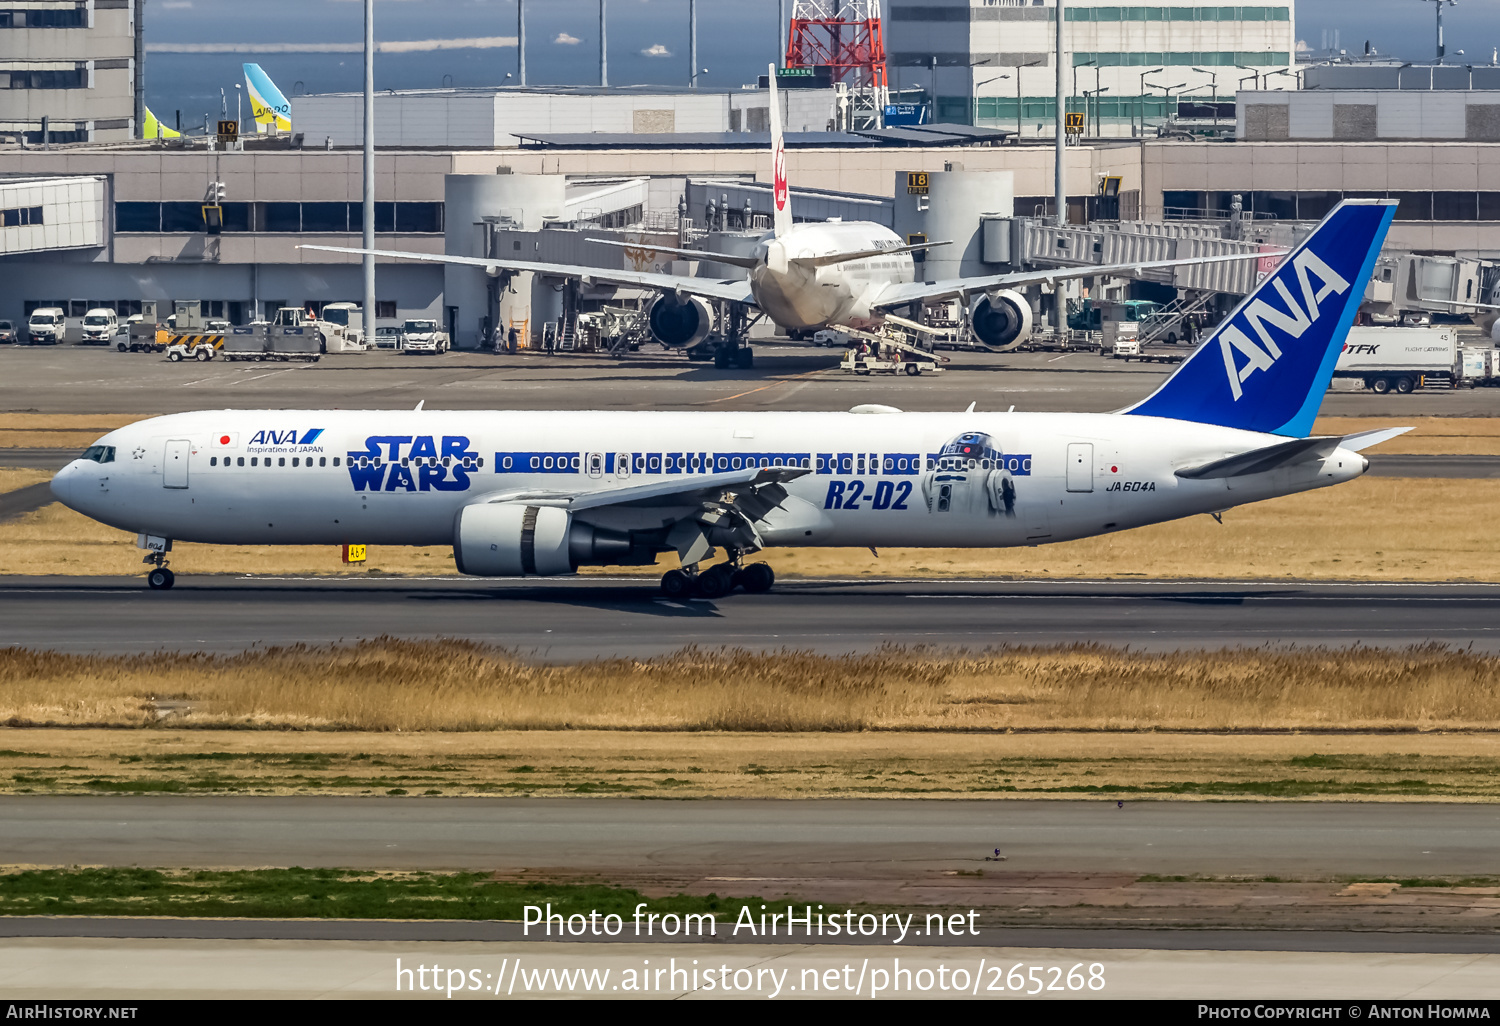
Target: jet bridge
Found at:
x=1025, y=242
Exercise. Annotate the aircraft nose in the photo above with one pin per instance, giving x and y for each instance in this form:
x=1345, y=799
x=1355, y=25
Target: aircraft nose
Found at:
x=63, y=482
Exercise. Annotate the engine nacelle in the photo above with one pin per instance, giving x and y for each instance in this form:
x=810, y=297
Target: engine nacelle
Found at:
x=516, y=539
x=1003, y=322
x=680, y=324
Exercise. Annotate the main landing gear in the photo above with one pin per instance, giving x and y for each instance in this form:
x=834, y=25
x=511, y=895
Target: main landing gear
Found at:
x=718, y=580
x=160, y=578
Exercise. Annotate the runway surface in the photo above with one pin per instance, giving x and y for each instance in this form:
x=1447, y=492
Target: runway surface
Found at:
x=578, y=618
x=756, y=845
x=85, y=379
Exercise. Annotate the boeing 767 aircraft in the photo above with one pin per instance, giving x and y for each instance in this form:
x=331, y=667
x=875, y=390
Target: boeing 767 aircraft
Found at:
x=524, y=493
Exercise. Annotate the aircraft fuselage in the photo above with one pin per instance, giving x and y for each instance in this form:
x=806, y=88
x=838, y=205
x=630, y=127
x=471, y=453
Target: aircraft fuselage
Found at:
x=905, y=479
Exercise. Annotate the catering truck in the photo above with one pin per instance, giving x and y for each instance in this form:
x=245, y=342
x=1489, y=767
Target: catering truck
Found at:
x=1399, y=359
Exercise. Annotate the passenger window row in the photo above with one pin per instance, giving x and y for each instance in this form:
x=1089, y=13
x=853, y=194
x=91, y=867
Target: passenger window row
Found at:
x=256, y=461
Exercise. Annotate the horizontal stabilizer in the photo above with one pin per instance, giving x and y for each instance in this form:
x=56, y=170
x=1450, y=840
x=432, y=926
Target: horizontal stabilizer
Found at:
x=1364, y=439
x=691, y=254
x=865, y=254
x=1258, y=461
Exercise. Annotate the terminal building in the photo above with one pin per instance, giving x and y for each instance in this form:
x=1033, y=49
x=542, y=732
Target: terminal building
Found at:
x=73, y=66
x=990, y=62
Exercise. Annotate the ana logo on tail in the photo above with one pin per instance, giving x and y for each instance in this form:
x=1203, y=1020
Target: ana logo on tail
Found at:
x=1293, y=322
x=1267, y=367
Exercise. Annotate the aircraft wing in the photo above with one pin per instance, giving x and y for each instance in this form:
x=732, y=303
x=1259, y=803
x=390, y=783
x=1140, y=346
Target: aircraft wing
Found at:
x=901, y=293
x=734, y=291
x=729, y=488
x=726, y=505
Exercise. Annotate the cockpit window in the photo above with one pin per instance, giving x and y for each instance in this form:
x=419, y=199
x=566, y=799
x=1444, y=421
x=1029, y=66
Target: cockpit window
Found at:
x=99, y=453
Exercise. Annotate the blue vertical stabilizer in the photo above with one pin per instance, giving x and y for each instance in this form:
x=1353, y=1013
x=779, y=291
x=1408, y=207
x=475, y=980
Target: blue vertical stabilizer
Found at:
x=1268, y=365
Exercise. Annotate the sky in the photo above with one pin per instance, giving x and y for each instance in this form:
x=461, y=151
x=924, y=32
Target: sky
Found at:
x=648, y=42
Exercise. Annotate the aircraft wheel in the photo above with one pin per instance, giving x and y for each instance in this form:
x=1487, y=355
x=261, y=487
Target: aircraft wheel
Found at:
x=744, y=358
x=912, y=370
x=756, y=578
x=1405, y=385
x=716, y=582
x=676, y=584
x=160, y=579
x=1380, y=386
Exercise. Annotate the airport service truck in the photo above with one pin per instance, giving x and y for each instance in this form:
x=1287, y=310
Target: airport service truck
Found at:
x=1399, y=359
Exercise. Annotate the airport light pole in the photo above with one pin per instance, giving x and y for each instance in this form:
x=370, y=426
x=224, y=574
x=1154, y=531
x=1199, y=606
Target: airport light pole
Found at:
x=977, y=86
x=1095, y=94
x=1166, y=94
x=603, y=44
x=1141, y=100
x=1059, y=181
x=1442, y=51
x=1076, y=66
x=520, y=42
x=1028, y=64
x=1215, y=76
x=692, y=44
x=369, y=171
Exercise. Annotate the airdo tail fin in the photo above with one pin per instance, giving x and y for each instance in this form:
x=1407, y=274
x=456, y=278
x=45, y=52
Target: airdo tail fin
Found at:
x=1267, y=367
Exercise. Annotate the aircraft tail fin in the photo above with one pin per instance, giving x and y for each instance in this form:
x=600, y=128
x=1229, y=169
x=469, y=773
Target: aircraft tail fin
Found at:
x=266, y=101
x=781, y=192
x=154, y=129
x=1268, y=365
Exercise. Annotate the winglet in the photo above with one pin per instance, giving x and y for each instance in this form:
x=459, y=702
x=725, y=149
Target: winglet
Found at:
x=781, y=192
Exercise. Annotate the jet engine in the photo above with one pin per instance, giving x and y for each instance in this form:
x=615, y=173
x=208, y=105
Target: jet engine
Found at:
x=514, y=539
x=680, y=323
x=1002, y=322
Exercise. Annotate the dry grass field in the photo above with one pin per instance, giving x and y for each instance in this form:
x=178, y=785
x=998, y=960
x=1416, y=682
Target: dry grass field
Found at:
x=393, y=685
x=12, y=478
x=57, y=430
x=760, y=764
x=1457, y=435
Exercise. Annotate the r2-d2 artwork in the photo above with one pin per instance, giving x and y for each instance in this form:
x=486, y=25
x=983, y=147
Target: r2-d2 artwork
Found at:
x=970, y=476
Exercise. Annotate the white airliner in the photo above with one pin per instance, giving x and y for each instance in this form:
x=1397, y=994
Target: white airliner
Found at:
x=812, y=275
x=520, y=494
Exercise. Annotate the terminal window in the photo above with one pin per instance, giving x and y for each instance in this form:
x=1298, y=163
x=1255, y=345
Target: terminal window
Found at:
x=75, y=17
x=17, y=217
x=74, y=78
x=289, y=218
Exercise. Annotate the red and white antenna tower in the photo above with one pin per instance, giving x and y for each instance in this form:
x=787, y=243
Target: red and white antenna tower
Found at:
x=845, y=37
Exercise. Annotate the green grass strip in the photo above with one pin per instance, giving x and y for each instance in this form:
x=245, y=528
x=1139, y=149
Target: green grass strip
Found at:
x=319, y=894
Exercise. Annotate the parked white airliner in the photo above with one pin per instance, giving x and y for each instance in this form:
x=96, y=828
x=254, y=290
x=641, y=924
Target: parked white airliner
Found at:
x=813, y=275
x=544, y=493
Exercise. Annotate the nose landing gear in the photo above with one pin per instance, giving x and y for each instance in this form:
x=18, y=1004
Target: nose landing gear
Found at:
x=718, y=580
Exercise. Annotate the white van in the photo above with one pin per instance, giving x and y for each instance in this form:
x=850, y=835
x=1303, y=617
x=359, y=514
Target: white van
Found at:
x=47, y=324
x=100, y=326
